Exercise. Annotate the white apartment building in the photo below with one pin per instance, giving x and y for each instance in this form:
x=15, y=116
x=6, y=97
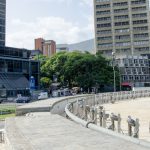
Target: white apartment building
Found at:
x=122, y=27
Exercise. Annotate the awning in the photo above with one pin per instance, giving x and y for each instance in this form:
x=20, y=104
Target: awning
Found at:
x=126, y=84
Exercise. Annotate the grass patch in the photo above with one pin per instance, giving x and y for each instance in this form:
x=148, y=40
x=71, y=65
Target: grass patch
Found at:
x=7, y=111
x=7, y=116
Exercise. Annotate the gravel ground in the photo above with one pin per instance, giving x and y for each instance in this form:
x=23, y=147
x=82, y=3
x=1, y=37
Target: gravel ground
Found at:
x=2, y=146
x=138, y=108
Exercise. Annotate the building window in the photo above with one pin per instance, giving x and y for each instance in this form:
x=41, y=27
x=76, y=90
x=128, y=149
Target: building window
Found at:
x=139, y=15
x=121, y=17
x=138, y=2
x=105, y=45
x=103, y=25
x=139, y=21
x=142, y=35
x=121, y=10
x=103, y=12
x=104, y=32
x=139, y=8
x=121, y=37
x=123, y=44
x=104, y=38
x=120, y=4
x=122, y=30
x=141, y=42
x=145, y=28
x=103, y=19
x=122, y=23
x=102, y=6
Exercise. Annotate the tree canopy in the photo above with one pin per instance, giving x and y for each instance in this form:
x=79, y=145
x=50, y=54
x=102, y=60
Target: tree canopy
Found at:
x=79, y=69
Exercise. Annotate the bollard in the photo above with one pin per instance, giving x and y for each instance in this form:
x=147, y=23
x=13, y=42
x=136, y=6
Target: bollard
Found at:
x=129, y=130
x=101, y=115
x=112, y=127
x=87, y=109
x=119, y=123
x=136, y=129
x=92, y=113
x=95, y=116
x=71, y=107
x=113, y=119
x=104, y=119
x=131, y=123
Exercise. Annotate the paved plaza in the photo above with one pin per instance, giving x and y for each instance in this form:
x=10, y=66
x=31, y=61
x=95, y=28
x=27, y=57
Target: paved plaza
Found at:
x=43, y=131
x=138, y=108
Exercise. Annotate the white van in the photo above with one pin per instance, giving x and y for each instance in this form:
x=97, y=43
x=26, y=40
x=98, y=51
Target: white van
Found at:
x=43, y=95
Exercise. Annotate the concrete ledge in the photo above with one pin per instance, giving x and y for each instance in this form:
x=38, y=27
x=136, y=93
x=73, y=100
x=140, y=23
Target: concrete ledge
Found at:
x=38, y=106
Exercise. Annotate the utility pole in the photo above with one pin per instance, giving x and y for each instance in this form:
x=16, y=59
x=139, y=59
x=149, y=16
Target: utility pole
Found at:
x=113, y=64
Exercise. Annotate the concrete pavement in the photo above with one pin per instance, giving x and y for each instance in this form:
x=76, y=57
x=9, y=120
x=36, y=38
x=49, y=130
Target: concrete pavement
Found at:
x=43, y=131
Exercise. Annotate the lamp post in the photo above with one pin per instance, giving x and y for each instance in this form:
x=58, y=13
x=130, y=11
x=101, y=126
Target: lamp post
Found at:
x=113, y=64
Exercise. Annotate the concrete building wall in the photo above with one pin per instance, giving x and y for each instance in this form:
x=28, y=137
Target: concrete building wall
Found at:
x=121, y=26
x=39, y=44
x=47, y=47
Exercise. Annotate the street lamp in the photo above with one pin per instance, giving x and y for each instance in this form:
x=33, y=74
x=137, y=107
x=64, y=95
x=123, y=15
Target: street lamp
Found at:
x=113, y=64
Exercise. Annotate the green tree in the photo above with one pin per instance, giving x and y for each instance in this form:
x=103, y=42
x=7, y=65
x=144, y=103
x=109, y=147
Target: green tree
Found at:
x=45, y=82
x=80, y=69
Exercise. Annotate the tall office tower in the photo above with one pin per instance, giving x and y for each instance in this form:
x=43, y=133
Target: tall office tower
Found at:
x=2, y=21
x=122, y=27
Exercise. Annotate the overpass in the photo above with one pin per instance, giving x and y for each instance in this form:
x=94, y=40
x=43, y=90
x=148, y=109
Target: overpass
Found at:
x=44, y=127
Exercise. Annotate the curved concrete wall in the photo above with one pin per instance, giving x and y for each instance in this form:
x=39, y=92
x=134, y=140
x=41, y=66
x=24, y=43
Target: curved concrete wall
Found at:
x=59, y=106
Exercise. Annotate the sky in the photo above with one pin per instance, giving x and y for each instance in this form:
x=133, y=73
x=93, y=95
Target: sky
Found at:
x=64, y=21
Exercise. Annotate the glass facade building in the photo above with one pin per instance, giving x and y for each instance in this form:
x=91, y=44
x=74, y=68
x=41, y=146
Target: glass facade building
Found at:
x=2, y=22
x=16, y=69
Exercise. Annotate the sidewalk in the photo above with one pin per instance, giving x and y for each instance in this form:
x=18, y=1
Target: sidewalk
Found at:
x=43, y=131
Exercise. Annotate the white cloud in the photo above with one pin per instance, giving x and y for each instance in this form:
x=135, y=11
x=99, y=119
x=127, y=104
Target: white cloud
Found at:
x=86, y=2
x=50, y=28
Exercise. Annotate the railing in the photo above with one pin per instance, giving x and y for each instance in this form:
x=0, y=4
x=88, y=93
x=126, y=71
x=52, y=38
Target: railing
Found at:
x=90, y=113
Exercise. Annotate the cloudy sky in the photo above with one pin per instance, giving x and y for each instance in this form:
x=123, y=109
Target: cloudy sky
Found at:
x=65, y=21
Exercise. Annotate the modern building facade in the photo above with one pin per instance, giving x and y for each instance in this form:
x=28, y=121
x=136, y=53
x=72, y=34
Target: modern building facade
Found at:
x=47, y=47
x=122, y=27
x=2, y=21
x=135, y=71
x=16, y=69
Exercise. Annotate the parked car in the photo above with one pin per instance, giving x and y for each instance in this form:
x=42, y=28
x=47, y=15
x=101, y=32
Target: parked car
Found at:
x=43, y=95
x=22, y=99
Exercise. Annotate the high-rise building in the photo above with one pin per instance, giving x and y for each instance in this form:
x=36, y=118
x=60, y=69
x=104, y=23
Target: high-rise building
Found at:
x=122, y=27
x=39, y=44
x=47, y=47
x=2, y=21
